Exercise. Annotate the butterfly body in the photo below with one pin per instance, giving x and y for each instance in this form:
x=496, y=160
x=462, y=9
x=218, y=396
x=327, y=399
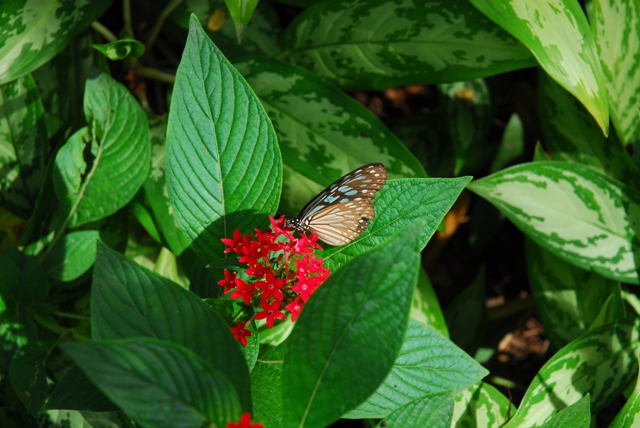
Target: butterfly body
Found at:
x=342, y=211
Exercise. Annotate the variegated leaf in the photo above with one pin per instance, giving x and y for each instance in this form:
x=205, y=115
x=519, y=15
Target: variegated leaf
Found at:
x=425, y=307
x=479, y=406
x=323, y=133
x=23, y=145
x=33, y=31
x=581, y=216
x=616, y=28
x=601, y=362
x=629, y=415
x=383, y=43
x=558, y=34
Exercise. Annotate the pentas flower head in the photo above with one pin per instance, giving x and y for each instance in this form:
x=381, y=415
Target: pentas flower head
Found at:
x=245, y=422
x=281, y=274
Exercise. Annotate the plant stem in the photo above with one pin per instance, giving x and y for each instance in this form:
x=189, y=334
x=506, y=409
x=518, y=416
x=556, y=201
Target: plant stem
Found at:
x=155, y=74
x=104, y=31
x=159, y=22
x=71, y=316
x=126, y=16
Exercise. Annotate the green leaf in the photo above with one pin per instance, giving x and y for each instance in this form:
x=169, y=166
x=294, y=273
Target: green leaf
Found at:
x=571, y=134
x=75, y=392
x=29, y=377
x=576, y=415
x=558, y=35
x=468, y=114
x=121, y=49
x=567, y=297
x=398, y=204
x=75, y=253
x=223, y=163
x=427, y=365
x=581, y=216
x=356, y=319
x=425, y=306
x=118, y=140
x=159, y=383
x=266, y=391
x=385, y=43
x=628, y=416
x=323, y=133
x=467, y=315
x=241, y=12
x=480, y=405
x=616, y=29
x=601, y=362
x=23, y=145
x=33, y=31
x=512, y=148
x=127, y=301
x=426, y=412
x=262, y=37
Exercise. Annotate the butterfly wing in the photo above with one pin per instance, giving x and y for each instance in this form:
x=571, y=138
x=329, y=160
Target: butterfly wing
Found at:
x=342, y=211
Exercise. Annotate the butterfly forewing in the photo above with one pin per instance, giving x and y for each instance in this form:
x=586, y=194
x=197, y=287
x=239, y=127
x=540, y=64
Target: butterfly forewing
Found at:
x=342, y=211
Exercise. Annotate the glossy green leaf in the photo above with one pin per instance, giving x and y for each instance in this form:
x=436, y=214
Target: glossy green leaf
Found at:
x=480, y=406
x=223, y=163
x=259, y=38
x=361, y=306
x=323, y=133
x=433, y=412
x=576, y=415
x=266, y=391
x=616, y=29
x=75, y=392
x=398, y=204
x=23, y=145
x=74, y=254
x=467, y=315
x=601, y=362
x=385, y=43
x=425, y=306
x=159, y=383
x=567, y=297
x=512, y=148
x=129, y=301
x=572, y=134
x=118, y=141
x=28, y=376
x=427, y=365
x=558, y=35
x=241, y=12
x=583, y=217
x=33, y=31
x=629, y=415
x=120, y=49
x=468, y=114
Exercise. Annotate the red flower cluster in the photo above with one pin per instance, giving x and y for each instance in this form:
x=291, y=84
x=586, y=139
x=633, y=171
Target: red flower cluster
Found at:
x=245, y=422
x=282, y=273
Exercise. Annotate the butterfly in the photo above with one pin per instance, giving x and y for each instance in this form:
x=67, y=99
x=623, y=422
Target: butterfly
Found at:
x=342, y=211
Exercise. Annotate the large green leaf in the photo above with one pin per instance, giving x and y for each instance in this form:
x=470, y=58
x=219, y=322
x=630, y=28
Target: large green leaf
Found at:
x=33, y=31
x=572, y=134
x=118, y=139
x=425, y=306
x=28, y=375
x=433, y=412
x=616, y=28
x=160, y=384
x=583, y=217
x=558, y=34
x=398, y=204
x=601, y=363
x=223, y=164
x=128, y=300
x=482, y=406
x=576, y=415
x=427, y=365
x=383, y=43
x=323, y=133
x=75, y=391
x=23, y=145
x=355, y=320
x=466, y=315
x=266, y=391
x=567, y=297
x=628, y=416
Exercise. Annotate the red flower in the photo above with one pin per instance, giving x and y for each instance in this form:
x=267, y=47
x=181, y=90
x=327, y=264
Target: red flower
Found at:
x=229, y=281
x=245, y=422
x=241, y=333
x=254, y=251
x=237, y=243
x=271, y=286
x=244, y=290
x=270, y=311
x=295, y=308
